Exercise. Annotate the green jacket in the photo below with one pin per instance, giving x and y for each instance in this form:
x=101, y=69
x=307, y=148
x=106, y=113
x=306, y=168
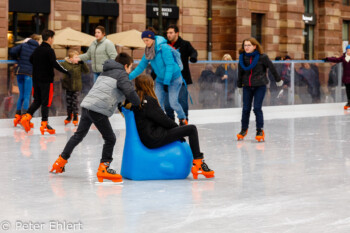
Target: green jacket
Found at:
x=98, y=53
x=74, y=83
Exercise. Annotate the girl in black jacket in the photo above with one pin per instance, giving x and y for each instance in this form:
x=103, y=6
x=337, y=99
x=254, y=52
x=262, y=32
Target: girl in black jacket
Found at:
x=156, y=129
x=252, y=77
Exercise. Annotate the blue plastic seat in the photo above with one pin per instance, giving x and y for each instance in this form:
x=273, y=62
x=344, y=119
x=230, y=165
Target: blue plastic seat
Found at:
x=172, y=161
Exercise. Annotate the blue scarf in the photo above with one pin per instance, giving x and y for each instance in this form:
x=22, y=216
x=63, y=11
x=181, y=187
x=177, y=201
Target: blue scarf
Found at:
x=254, y=54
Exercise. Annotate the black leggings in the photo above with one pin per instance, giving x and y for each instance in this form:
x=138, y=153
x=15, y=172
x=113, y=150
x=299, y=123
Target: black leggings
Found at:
x=181, y=132
x=347, y=86
x=72, y=102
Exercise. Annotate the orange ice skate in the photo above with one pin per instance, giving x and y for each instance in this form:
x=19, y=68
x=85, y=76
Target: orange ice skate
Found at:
x=46, y=128
x=58, y=166
x=200, y=167
x=104, y=172
x=25, y=122
x=241, y=135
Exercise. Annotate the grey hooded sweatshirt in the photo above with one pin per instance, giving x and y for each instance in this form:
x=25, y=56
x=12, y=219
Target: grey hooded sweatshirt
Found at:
x=110, y=89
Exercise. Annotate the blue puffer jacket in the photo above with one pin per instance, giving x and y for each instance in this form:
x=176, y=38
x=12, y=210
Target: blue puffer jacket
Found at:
x=163, y=64
x=22, y=53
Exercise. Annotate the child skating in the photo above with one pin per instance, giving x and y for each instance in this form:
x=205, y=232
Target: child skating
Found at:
x=110, y=89
x=44, y=61
x=252, y=77
x=73, y=84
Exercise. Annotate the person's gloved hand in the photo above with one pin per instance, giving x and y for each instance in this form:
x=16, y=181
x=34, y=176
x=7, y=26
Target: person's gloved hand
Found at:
x=120, y=105
x=166, y=88
x=279, y=84
x=193, y=59
x=325, y=59
x=240, y=90
x=81, y=62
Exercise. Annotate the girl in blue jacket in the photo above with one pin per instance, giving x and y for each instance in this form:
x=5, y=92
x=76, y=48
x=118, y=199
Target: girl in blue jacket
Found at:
x=169, y=79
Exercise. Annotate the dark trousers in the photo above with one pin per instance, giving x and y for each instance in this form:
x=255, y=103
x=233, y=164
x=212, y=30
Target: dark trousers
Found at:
x=181, y=132
x=43, y=93
x=249, y=94
x=347, y=86
x=183, y=100
x=72, y=102
x=104, y=127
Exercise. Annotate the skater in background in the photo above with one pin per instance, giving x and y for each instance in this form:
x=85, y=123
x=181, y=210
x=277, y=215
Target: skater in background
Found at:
x=277, y=94
x=252, y=77
x=345, y=60
x=99, y=51
x=156, y=129
x=44, y=61
x=310, y=77
x=110, y=89
x=188, y=53
x=73, y=85
x=169, y=79
x=208, y=94
x=24, y=72
x=227, y=79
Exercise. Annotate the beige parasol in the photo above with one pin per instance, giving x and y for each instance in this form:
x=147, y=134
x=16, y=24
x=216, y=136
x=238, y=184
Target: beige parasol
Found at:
x=69, y=37
x=131, y=39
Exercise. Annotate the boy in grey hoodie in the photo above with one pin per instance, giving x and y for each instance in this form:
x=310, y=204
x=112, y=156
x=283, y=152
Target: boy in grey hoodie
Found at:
x=110, y=89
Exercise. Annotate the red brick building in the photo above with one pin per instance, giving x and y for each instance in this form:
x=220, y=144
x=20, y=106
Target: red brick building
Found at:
x=309, y=29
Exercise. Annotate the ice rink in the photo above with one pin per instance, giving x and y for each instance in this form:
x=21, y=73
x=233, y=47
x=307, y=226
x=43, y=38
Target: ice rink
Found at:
x=298, y=180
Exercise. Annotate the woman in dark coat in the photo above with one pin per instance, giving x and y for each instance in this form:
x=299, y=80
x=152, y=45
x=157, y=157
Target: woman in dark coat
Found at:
x=345, y=60
x=252, y=77
x=156, y=129
x=227, y=79
x=24, y=71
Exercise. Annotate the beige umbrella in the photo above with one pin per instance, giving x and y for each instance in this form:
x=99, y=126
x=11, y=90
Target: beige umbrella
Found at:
x=131, y=39
x=69, y=37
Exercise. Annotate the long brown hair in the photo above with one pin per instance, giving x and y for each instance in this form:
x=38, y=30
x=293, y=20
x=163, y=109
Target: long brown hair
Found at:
x=254, y=42
x=145, y=86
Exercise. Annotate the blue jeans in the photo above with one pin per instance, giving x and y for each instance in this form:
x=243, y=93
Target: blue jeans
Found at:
x=258, y=94
x=173, y=95
x=183, y=100
x=96, y=76
x=25, y=84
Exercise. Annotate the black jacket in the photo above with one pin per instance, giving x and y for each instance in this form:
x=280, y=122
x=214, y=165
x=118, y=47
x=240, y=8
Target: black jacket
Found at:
x=187, y=51
x=151, y=122
x=22, y=53
x=44, y=61
x=257, y=76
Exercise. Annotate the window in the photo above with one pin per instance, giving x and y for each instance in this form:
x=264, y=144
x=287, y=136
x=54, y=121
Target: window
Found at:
x=309, y=42
x=309, y=6
x=22, y=25
x=170, y=14
x=345, y=36
x=346, y=2
x=89, y=23
x=99, y=0
x=256, y=30
x=309, y=31
x=168, y=2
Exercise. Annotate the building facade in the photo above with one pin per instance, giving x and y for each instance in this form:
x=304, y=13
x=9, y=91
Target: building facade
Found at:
x=303, y=29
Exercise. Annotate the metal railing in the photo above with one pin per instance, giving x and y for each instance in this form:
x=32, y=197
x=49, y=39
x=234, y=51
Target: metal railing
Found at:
x=306, y=82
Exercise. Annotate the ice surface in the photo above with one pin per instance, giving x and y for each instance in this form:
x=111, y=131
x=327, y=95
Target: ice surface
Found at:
x=297, y=181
